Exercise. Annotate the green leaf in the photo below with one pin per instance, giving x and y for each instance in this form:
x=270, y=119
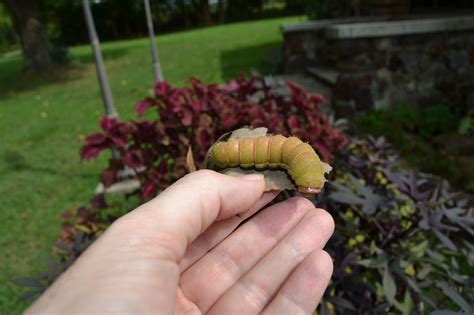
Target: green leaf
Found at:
x=466, y=124
x=388, y=285
x=420, y=249
x=407, y=303
x=454, y=263
x=378, y=262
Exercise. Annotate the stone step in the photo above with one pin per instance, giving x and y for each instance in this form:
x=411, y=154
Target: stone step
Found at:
x=309, y=83
x=326, y=75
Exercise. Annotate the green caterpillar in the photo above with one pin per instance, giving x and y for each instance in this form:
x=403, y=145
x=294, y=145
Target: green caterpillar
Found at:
x=298, y=158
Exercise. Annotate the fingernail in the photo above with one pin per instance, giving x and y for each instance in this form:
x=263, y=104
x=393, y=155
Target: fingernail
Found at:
x=253, y=177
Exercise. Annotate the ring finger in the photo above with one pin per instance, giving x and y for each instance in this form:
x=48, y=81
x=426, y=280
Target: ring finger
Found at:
x=254, y=290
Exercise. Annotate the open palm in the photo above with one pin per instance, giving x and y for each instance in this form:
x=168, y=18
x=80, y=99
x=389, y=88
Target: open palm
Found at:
x=187, y=252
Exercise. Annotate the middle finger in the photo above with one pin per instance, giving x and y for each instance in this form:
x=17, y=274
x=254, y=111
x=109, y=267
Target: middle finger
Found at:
x=206, y=280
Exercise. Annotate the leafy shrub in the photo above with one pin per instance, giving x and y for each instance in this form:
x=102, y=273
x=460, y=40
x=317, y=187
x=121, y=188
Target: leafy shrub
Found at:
x=436, y=120
x=404, y=119
x=466, y=124
x=195, y=116
x=417, y=133
x=403, y=240
x=426, y=122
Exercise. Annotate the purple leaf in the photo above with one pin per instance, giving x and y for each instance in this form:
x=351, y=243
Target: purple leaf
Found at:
x=108, y=177
x=343, y=303
x=446, y=241
x=397, y=179
x=346, y=198
x=462, y=203
x=414, y=192
x=455, y=297
x=142, y=106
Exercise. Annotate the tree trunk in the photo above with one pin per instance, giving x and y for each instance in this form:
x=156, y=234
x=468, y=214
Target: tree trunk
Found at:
x=183, y=8
x=204, y=13
x=221, y=11
x=34, y=41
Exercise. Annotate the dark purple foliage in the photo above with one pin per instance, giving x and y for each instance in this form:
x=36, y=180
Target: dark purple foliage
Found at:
x=403, y=231
x=195, y=116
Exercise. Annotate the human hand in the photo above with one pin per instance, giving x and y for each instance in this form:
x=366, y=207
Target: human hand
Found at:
x=181, y=253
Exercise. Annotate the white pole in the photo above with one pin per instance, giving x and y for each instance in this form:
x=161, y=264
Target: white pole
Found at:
x=154, y=52
x=110, y=109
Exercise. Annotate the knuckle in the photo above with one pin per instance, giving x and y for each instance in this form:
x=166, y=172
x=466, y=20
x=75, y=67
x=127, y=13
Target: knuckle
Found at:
x=203, y=175
x=202, y=181
x=206, y=173
x=225, y=263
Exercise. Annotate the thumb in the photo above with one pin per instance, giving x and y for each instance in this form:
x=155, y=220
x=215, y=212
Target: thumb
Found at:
x=188, y=207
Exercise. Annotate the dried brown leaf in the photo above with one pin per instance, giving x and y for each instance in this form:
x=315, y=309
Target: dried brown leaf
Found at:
x=190, y=160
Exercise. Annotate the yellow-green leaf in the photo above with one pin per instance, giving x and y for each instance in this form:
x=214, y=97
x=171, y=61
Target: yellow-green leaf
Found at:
x=410, y=270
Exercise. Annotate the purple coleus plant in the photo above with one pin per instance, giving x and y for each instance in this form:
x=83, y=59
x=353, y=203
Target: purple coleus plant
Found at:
x=195, y=116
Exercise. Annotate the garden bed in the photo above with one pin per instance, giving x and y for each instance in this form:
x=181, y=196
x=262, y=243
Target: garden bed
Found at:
x=402, y=241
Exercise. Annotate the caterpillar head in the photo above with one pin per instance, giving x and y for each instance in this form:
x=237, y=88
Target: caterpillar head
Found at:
x=317, y=182
x=309, y=191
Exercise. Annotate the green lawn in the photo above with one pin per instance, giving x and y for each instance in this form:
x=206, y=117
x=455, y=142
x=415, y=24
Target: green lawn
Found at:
x=43, y=122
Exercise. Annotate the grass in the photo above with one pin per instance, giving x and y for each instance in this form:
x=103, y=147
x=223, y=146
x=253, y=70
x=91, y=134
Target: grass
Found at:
x=43, y=122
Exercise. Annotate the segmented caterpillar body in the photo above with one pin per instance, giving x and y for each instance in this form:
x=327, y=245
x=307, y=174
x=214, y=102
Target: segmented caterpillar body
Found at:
x=298, y=158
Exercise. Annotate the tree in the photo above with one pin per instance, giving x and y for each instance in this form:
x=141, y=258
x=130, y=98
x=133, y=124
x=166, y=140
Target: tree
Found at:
x=221, y=11
x=33, y=37
x=204, y=13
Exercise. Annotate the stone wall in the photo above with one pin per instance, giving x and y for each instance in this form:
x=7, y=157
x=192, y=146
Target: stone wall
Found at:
x=418, y=69
x=379, y=71
x=306, y=43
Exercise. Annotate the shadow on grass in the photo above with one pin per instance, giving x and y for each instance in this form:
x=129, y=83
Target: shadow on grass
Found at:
x=13, y=80
x=16, y=162
x=264, y=58
x=85, y=56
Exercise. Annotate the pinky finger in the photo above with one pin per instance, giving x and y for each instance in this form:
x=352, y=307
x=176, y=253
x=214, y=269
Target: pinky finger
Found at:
x=302, y=291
